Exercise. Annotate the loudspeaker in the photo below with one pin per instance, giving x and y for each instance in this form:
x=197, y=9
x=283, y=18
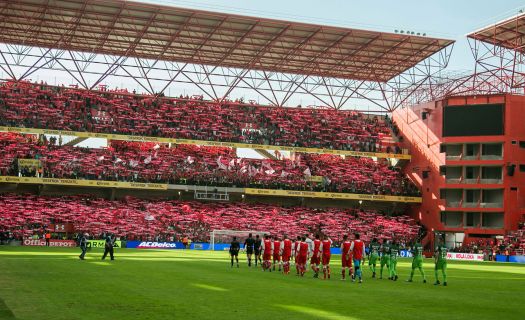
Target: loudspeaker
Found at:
x=425, y=174
x=510, y=169
x=424, y=115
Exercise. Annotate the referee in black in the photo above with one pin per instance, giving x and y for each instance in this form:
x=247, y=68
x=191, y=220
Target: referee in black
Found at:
x=108, y=248
x=82, y=242
x=249, y=245
x=235, y=246
x=257, y=249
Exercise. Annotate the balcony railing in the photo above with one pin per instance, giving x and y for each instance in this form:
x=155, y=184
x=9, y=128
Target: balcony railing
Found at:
x=491, y=181
x=470, y=204
x=454, y=204
x=491, y=157
x=478, y=204
x=453, y=157
x=491, y=205
x=457, y=180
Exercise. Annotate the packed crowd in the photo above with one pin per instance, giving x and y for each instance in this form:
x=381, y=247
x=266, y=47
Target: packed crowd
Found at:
x=24, y=104
x=197, y=165
x=131, y=218
x=513, y=243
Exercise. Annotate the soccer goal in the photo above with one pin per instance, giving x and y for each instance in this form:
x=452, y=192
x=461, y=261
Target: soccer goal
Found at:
x=226, y=236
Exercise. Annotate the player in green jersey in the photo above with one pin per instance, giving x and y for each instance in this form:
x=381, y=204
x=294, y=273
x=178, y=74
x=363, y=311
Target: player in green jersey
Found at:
x=417, y=261
x=441, y=263
x=373, y=255
x=392, y=267
x=385, y=259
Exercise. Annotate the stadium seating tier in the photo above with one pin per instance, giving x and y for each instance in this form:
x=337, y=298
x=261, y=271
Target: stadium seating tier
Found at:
x=25, y=215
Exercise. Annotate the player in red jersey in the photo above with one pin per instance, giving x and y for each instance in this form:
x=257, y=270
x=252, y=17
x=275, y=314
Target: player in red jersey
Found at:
x=295, y=251
x=316, y=256
x=276, y=253
x=358, y=252
x=346, y=257
x=267, y=249
x=302, y=256
x=286, y=249
x=326, y=245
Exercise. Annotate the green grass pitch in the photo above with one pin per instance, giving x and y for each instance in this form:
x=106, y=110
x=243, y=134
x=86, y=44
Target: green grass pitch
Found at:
x=52, y=283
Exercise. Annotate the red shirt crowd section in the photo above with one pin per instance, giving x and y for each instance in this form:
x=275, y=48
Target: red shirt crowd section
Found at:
x=132, y=218
x=31, y=105
x=513, y=243
x=515, y=240
x=196, y=165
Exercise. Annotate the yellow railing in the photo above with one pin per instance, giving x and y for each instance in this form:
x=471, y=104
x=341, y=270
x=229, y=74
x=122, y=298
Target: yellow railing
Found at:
x=124, y=137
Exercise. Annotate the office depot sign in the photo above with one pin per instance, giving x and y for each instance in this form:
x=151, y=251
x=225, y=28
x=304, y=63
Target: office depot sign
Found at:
x=52, y=243
x=464, y=256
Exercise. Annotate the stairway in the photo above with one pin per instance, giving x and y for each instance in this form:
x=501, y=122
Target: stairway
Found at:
x=75, y=141
x=266, y=154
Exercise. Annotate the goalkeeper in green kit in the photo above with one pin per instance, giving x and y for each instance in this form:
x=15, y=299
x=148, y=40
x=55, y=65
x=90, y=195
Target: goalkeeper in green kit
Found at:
x=417, y=261
x=373, y=255
x=385, y=259
x=441, y=263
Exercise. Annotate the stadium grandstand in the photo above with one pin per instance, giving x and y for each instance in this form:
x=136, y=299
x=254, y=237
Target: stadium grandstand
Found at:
x=171, y=125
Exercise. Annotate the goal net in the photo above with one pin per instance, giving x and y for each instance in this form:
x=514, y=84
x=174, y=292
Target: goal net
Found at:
x=226, y=236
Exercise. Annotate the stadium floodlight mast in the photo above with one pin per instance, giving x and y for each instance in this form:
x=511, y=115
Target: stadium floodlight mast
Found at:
x=499, y=66
x=226, y=236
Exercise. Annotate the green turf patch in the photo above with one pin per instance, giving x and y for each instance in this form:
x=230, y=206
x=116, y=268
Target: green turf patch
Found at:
x=5, y=312
x=52, y=283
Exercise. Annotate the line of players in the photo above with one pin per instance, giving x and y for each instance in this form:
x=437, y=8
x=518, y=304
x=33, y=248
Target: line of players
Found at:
x=277, y=254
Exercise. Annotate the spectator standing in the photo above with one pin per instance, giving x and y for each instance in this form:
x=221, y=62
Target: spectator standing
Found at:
x=47, y=236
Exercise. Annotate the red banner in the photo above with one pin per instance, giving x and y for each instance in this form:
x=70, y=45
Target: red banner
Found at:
x=62, y=227
x=52, y=243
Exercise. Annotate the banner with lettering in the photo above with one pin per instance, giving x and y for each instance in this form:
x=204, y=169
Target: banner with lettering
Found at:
x=205, y=143
x=84, y=183
x=331, y=195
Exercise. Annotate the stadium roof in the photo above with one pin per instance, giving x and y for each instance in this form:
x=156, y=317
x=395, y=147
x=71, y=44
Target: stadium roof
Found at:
x=509, y=33
x=150, y=31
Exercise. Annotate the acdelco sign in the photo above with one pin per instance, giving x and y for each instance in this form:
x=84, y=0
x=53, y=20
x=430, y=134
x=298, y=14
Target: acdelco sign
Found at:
x=156, y=245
